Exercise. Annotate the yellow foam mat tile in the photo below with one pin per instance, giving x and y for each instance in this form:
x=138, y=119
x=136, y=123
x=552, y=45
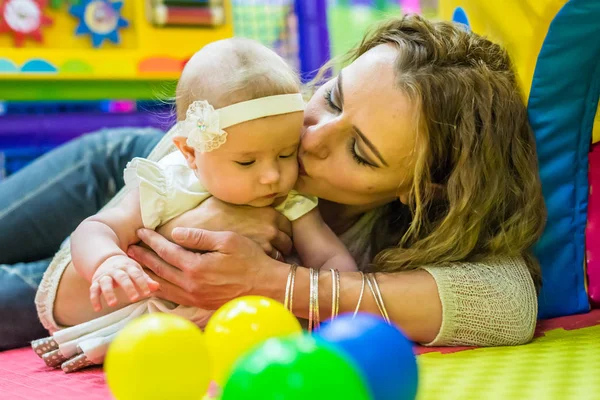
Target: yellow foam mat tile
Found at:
x=561, y=365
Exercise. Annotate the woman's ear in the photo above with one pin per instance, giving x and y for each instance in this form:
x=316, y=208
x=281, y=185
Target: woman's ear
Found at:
x=403, y=197
x=188, y=152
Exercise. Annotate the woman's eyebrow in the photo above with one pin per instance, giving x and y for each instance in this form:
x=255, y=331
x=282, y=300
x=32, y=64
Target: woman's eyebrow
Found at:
x=362, y=136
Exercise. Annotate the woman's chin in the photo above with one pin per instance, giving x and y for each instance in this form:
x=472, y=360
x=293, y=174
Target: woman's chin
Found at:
x=309, y=187
x=303, y=184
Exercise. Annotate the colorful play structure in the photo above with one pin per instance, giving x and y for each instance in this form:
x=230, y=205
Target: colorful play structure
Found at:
x=555, y=48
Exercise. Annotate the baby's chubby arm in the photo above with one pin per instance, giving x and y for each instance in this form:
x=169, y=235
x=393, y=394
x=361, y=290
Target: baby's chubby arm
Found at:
x=98, y=249
x=317, y=245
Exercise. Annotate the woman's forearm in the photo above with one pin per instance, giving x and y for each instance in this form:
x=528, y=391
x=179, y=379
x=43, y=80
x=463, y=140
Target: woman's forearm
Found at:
x=411, y=298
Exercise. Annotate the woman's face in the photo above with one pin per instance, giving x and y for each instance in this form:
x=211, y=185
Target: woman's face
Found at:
x=359, y=135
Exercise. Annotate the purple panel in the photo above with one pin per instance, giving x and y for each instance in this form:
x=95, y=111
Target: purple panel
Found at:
x=53, y=129
x=313, y=36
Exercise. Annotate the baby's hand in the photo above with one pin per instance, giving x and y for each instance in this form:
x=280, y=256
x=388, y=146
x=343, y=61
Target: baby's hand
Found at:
x=120, y=271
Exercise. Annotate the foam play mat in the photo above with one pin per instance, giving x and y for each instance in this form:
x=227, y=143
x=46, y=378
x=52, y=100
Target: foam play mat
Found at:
x=562, y=362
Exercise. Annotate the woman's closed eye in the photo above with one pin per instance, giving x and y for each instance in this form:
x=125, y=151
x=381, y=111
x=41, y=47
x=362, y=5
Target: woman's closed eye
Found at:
x=331, y=100
x=352, y=149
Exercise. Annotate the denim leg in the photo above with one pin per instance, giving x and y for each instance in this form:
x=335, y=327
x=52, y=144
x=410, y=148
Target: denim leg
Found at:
x=19, y=323
x=44, y=202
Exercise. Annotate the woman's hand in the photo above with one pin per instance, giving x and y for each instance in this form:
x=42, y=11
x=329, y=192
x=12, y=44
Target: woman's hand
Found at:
x=231, y=266
x=266, y=226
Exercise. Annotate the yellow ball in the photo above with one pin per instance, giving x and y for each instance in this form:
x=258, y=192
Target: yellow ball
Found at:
x=241, y=324
x=158, y=356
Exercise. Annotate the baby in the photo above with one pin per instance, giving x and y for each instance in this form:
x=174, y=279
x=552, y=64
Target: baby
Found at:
x=240, y=115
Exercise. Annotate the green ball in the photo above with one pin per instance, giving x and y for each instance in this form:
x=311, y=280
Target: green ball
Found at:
x=295, y=367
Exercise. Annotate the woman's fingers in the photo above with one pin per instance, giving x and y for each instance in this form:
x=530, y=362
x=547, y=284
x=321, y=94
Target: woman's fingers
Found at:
x=283, y=243
x=170, y=252
x=201, y=239
x=283, y=224
x=277, y=255
x=170, y=292
x=152, y=261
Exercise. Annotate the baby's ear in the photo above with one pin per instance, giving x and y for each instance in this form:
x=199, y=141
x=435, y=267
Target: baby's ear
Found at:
x=188, y=152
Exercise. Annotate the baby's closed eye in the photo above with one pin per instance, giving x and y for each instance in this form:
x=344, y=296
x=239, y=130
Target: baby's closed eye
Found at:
x=245, y=163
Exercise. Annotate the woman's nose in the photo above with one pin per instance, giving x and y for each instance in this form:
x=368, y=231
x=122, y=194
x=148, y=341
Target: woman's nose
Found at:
x=316, y=138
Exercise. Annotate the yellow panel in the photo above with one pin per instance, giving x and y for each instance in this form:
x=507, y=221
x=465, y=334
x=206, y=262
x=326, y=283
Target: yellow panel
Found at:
x=519, y=25
x=562, y=365
x=140, y=41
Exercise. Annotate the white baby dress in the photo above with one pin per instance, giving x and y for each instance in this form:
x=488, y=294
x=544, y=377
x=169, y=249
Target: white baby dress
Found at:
x=169, y=188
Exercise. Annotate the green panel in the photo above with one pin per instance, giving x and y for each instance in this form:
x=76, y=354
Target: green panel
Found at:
x=348, y=24
x=24, y=90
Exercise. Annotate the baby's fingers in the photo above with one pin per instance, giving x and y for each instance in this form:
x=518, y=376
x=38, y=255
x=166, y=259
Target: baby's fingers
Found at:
x=124, y=280
x=95, y=293
x=152, y=284
x=106, y=285
x=141, y=279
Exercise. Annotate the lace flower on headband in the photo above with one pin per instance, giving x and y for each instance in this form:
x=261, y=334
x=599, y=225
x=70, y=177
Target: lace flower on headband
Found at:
x=202, y=128
x=203, y=125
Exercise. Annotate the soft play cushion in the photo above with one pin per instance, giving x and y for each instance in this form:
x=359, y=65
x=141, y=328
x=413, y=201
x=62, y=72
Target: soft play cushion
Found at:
x=592, y=233
x=562, y=104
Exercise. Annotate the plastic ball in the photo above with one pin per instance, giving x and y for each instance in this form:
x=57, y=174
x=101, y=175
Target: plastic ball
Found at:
x=241, y=324
x=158, y=356
x=296, y=367
x=382, y=352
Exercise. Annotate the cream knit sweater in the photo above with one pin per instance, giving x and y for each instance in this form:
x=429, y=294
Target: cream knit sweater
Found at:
x=489, y=303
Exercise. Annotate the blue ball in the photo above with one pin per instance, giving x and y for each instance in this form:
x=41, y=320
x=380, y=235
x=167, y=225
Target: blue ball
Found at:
x=384, y=355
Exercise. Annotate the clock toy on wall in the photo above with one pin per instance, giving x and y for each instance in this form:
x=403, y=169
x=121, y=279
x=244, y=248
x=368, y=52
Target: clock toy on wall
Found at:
x=23, y=18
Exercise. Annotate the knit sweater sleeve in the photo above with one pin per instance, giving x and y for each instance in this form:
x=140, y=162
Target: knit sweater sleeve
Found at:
x=487, y=303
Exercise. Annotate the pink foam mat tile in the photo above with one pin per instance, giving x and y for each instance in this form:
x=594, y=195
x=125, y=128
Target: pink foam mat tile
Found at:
x=23, y=376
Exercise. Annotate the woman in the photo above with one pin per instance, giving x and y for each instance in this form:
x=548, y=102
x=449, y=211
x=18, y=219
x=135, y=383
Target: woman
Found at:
x=421, y=153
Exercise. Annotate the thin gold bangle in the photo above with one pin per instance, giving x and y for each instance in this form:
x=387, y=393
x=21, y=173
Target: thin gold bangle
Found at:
x=313, y=306
x=374, y=286
x=335, y=293
x=337, y=300
x=360, y=297
x=289, y=288
x=316, y=322
x=318, y=316
x=311, y=272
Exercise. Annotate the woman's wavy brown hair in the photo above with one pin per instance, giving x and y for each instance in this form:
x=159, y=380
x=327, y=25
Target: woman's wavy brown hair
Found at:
x=476, y=191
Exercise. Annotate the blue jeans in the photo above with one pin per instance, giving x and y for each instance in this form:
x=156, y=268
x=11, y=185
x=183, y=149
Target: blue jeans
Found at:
x=43, y=203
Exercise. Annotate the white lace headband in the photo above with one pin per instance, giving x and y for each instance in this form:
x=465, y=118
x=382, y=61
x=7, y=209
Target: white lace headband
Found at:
x=203, y=125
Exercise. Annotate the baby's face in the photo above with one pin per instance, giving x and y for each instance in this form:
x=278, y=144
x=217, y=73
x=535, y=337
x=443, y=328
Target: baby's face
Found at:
x=258, y=162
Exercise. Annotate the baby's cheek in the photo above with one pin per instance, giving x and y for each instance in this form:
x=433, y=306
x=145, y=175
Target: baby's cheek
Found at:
x=290, y=178
x=233, y=189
